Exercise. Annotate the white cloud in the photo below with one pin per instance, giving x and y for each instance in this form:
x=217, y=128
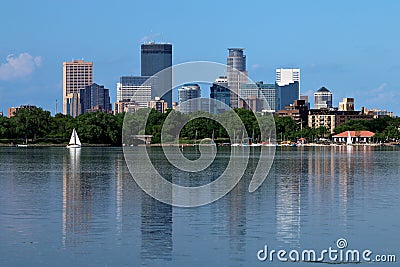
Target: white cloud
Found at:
x=379, y=89
x=309, y=93
x=19, y=66
x=149, y=38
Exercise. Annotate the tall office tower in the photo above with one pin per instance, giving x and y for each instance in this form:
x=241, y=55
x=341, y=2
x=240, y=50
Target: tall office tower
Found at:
x=322, y=98
x=155, y=58
x=264, y=97
x=219, y=91
x=95, y=98
x=136, y=89
x=236, y=73
x=288, y=83
x=76, y=75
x=187, y=92
x=347, y=104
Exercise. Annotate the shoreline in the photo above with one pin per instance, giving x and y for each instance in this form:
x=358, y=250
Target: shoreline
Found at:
x=392, y=144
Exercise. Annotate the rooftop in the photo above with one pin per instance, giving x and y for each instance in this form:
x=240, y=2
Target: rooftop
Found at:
x=355, y=134
x=323, y=89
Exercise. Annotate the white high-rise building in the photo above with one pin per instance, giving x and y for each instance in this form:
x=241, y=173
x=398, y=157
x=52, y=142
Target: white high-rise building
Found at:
x=287, y=76
x=135, y=89
x=288, y=83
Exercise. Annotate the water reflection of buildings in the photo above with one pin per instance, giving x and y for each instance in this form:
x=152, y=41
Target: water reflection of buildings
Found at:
x=237, y=220
x=331, y=178
x=126, y=201
x=288, y=197
x=156, y=225
x=77, y=194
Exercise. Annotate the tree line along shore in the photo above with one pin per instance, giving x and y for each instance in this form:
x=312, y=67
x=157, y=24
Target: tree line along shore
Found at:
x=37, y=126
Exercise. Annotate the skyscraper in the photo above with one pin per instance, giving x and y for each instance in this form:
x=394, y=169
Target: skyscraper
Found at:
x=76, y=75
x=236, y=73
x=219, y=91
x=187, y=92
x=265, y=95
x=288, y=83
x=136, y=89
x=322, y=98
x=155, y=58
x=95, y=98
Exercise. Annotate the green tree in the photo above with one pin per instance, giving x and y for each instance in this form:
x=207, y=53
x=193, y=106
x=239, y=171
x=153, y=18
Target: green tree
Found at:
x=4, y=127
x=30, y=123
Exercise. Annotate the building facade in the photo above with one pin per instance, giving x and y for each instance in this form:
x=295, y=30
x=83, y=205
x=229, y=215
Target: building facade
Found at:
x=219, y=91
x=125, y=106
x=305, y=98
x=263, y=96
x=11, y=111
x=236, y=73
x=158, y=104
x=377, y=113
x=186, y=93
x=288, y=83
x=155, y=58
x=323, y=98
x=95, y=98
x=298, y=111
x=76, y=75
x=355, y=136
x=136, y=89
x=332, y=118
x=347, y=104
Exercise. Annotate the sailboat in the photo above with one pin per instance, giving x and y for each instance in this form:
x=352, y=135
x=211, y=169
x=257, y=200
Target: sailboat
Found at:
x=349, y=141
x=74, y=142
x=23, y=145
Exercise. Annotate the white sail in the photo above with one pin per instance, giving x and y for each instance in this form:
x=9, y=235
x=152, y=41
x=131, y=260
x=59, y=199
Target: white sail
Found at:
x=77, y=141
x=74, y=140
x=349, y=142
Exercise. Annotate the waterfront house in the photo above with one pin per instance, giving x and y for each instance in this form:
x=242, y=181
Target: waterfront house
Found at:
x=356, y=137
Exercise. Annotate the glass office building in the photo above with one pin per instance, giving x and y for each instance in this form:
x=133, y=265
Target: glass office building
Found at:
x=188, y=92
x=219, y=91
x=155, y=58
x=95, y=98
x=268, y=95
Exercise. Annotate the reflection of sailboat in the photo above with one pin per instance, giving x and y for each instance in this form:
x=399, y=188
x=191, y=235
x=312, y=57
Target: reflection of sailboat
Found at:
x=74, y=210
x=349, y=141
x=234, y=140
x=74, y=142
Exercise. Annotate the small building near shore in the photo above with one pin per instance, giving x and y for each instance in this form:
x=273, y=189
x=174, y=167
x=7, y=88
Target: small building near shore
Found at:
x=356, y=136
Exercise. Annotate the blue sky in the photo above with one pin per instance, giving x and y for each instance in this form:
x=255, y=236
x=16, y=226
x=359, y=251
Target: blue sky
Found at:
x=350, y=47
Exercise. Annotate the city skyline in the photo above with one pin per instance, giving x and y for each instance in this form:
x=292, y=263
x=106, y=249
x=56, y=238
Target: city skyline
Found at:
x=331, y=53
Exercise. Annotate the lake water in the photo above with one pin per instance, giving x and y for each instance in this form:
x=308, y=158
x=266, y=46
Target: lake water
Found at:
x=62, y=208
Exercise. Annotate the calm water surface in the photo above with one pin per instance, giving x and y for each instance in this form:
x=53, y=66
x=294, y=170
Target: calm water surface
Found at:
x=82, y=208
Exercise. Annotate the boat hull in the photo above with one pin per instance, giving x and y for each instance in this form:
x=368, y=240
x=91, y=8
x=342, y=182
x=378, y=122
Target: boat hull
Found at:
x=73, y=146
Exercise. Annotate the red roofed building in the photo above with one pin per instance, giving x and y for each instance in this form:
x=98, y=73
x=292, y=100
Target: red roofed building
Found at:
x=356, y=136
